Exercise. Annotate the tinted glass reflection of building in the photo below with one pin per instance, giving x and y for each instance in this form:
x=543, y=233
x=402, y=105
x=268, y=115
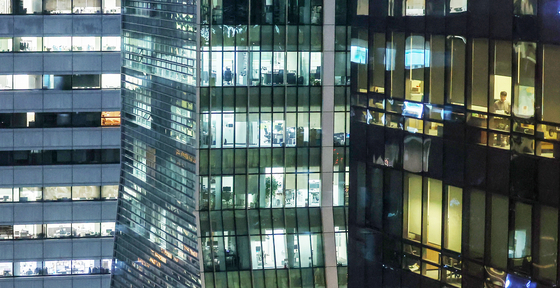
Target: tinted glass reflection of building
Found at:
x=455, y=104
x=156, y=242
x=273, y=86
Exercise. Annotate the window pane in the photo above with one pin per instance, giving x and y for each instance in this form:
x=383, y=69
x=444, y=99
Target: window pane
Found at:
x=112, y=6
x=432, y=213
x=478, y=98
x=519, y=252
x=109, y=191
x=58, y=267
x=526, y=56
x=59, y=230
x=57, y=6
x=414, y=64
x=5, y=43
x=545, y=262
x=28, y=7
x=86, y=229
x=412, y=210
x=57, y=44
x=453, y=219
x=86, y=43
x=6, y=269
x=6, y=232
x=28, y=82
x=5, y=194
x=28, y=268
x=501, y=78
x=456, y=47
x=85, y=81
x=28, y=44
x=85, y=192
x=498, y=231
x=30, y=231
x=476, y=224
x=550, y=83
x=111, y=81
x=57, y=193
x=86, y=6
x=5, y=82
x=29, y=193
x=111, y=43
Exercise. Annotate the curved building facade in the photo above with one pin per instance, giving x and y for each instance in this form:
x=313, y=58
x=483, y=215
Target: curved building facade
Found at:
x=156, y=242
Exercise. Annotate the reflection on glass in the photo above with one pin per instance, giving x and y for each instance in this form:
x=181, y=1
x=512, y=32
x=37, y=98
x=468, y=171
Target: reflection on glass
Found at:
x=456, y=47
x=453, y=219
x=519, y=252
x=433, y=213
x=526, y=59
x=525, y=7
x=412, y=208
x=501, y=78
x=415, y=59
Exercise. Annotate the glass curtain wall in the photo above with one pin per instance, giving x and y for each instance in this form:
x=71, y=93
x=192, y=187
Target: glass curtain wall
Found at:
x=455, y=157
x=156, y=230
x=260, y=144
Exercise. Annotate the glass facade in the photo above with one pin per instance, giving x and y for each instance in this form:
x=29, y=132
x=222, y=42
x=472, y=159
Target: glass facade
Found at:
x=267, y=115
x=156, y=229
x=454, y=158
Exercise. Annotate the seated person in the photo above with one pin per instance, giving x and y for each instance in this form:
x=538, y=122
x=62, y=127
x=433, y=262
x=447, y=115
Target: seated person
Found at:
x=502, y=104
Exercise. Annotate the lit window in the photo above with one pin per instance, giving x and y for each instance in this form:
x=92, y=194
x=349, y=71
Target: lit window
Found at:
x=87, y=6
x=109, y=43
x=5, y=82
x=51, y=44
x=112, y=6
x=28, y=82
x=5, y=42
x=28, y=44
x=86, y=43
x=110, y=118
x=111, y=81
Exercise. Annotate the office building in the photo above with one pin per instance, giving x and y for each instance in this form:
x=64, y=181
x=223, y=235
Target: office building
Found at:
x=272, y=173
x=454, y=154
x=267, y=173
x=156, y=241
x=59, y=141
